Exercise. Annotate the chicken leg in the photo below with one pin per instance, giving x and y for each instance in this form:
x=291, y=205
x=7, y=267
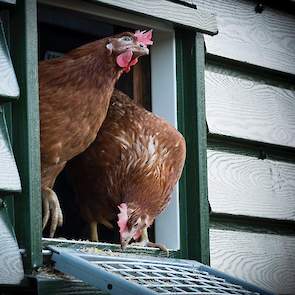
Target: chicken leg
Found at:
x=145, y=242
x=93, y=231
x=51, y=207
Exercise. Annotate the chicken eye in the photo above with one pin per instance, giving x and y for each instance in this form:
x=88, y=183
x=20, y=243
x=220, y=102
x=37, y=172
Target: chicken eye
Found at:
x=127, y=38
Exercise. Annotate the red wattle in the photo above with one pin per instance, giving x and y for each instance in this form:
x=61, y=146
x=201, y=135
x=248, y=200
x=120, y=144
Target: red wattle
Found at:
x=124, y=59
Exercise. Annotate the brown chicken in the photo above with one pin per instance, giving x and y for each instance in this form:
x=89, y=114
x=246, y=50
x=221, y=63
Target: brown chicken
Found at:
x=129, y=171
x=75, y=92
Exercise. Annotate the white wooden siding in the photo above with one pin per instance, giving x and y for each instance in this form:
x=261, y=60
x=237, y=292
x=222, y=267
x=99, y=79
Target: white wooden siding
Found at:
x=265, y=39
x=266, y=260
x=243, y=185
x=242, y=106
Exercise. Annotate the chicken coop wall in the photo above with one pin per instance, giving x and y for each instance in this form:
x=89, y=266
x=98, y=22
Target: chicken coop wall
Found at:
x=250, y=110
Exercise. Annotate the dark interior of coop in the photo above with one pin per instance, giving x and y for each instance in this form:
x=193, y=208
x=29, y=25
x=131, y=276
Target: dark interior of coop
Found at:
x=59, y=31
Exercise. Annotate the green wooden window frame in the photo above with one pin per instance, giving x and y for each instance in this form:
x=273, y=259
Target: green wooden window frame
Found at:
x=191, y=120
x=25, y=126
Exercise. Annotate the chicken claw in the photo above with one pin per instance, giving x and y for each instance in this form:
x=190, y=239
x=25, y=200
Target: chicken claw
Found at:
x=144, y=242
x=51, y=207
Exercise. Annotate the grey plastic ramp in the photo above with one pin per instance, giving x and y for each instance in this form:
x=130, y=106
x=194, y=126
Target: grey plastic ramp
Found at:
x=116, y=273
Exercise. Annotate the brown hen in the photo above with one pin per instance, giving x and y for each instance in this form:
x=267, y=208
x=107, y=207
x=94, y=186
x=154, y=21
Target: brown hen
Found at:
x=75, y=91
x=129, y=171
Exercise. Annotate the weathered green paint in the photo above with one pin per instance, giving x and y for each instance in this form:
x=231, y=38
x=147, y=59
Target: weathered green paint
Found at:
x=255, y=70
x=191, y=122
x=251, y=148
x=26, y=131
x=252, y=224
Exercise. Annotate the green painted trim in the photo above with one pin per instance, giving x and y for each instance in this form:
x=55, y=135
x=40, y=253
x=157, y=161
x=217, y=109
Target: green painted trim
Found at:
x=194, y=219
x=252, y=224
x=202, y=150
x=258, y=71
x=246, y=147
x=26, y=131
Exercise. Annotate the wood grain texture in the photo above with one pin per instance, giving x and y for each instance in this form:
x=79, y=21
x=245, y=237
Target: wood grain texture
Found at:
x=243, y=185
x=265, y=39
x=168, y=11
x=263, y=259
x=9, y=89
x=8, y=1
x=9, y=177
x=242, y=106
x=11, y=268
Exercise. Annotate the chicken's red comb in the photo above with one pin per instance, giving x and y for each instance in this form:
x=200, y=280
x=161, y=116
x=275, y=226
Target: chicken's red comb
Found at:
x=122, y=217
x=144, y=37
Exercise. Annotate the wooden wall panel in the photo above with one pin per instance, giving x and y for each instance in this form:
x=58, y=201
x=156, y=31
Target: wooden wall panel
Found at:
x=264, y=259
x=265, y=39
x=241, y=106
x=11, y=267
x=9, y=176
x=243, y=185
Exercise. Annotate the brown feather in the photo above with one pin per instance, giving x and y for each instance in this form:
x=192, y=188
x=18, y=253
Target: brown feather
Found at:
x=75, y=92
x=136, y=158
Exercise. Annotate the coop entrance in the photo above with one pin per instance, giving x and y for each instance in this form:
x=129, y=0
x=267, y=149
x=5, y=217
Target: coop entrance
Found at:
x=152, y=83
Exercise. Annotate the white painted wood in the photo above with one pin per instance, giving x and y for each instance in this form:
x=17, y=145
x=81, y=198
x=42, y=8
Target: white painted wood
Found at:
x=9, y=88
x=168, y=11
x=264, y=39
x=266, y=260
x=241, y=106
x=109, y=15
x=11, y=267
x=9, y=177
x=243, y=185
x=150, y=14
x=164, y=100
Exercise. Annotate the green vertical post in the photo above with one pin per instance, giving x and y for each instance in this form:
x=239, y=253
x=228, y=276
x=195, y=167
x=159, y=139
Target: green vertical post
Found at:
x=26, y=139
x=194, y=209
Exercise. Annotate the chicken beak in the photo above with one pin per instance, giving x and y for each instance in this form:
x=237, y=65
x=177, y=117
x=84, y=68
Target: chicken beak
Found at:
x=124, y=243
x=140, y=50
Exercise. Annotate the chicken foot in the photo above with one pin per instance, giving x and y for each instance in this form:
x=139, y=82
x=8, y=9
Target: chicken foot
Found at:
x=51, y=208
x=145, y=242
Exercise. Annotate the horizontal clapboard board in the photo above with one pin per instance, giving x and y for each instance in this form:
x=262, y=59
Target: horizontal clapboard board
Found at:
x=244, y=185
x=264, y=259
x=9, y=89
x=245, y=107
x=9, y=177
x=265, y=39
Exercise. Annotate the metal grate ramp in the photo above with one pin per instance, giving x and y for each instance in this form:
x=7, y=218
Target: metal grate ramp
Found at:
x=149, y=275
